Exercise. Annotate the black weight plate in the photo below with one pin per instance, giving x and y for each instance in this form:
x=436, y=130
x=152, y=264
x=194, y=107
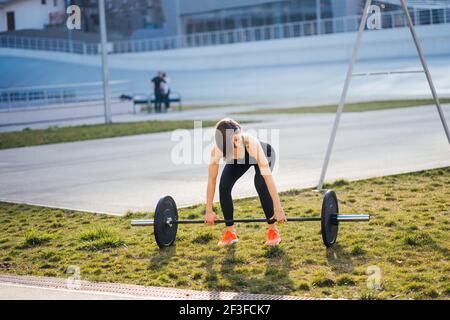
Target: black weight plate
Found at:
x=165, y=234
x=330, y=226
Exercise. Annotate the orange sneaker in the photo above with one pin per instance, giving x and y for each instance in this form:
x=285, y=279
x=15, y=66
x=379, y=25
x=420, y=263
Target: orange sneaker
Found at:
x=228, y=238
x=273, y=237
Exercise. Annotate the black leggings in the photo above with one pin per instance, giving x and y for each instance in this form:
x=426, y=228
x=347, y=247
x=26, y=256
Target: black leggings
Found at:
x=231, y=173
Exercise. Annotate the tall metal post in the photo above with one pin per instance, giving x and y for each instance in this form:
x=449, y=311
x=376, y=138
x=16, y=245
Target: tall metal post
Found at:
x=349, y=75
x=425, y=68
x=69, y=32
x=340, y=108
x=319, y=17
x=103, y=37
x=178, y=17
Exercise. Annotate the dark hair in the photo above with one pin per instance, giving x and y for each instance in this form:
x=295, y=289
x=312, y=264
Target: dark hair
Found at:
x=225, y=129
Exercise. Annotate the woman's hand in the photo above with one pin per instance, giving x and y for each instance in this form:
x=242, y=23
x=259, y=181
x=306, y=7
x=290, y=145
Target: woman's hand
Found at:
x=210, y=217
x=279, y=215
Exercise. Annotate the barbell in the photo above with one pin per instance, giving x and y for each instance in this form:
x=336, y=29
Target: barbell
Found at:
x=165, y=222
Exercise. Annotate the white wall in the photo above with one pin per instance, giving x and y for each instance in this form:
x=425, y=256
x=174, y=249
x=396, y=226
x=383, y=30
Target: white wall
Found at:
x=30, y=14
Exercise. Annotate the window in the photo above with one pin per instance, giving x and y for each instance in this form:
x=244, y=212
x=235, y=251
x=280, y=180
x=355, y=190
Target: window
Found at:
x=229, y=23
x=55, y=3
x=44, y=2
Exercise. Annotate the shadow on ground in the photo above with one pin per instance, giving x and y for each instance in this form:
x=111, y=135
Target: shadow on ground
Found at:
x=339, y=260
x=162, y=259
x=274, y=280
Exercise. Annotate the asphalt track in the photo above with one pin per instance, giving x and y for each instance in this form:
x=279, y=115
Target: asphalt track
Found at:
x=131, y=173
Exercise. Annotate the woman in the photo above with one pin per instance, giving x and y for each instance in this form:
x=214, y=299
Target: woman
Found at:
x=240, y=152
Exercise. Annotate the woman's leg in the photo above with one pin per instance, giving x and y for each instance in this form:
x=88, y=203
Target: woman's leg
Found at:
x=273, y=236
x=264, y=195
x=260, y=184
x=230, y=174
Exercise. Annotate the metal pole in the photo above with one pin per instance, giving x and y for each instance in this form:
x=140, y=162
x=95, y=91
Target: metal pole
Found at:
x=425, y=68
x=344, y=94
x=106, y=98
x=352, y=217
x=318, y=17
x=178, y=16
x=298, y=219
x=69, y=33
x=339, y=218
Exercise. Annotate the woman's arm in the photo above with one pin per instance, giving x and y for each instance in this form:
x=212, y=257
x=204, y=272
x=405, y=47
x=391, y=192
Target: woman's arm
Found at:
x=255, y=150
x=213, y=170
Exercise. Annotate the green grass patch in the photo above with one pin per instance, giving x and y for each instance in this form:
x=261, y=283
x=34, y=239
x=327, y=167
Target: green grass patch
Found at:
x=100, y=239
x=345, y=281
x=407, y=239
x=357, y=250
x=336, y=183
x=417, y=239
x=203, y=238
x=103, y=243
x=175, y=106
x=96, y=234
x=323, y=282
x=351, y=107
x=34, y=238
x=29, y=137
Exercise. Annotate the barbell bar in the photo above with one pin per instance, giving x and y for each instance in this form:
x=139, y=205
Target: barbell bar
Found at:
x=165, y=222
x=339, y=218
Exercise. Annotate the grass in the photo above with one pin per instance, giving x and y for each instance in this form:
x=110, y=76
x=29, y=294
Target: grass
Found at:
x=175, y=106
x=407, y=239
x=29, y=137
x=33, y=239
x=351, y=107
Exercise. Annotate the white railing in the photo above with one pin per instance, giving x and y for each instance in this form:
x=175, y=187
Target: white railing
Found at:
x=48, y=44
x=61, y=96
x=394, y=19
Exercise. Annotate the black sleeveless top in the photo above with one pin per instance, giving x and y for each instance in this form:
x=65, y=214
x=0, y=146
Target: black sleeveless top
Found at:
x=249, y=160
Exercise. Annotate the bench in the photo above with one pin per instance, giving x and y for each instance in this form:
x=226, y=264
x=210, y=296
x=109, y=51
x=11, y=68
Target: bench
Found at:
x=149, y=101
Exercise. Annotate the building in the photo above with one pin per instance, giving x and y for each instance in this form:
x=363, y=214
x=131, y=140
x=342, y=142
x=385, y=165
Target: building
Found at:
x=30, y=14
x=213, y=15
x=164, y=18
x=198, y=16
x=123, y=16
